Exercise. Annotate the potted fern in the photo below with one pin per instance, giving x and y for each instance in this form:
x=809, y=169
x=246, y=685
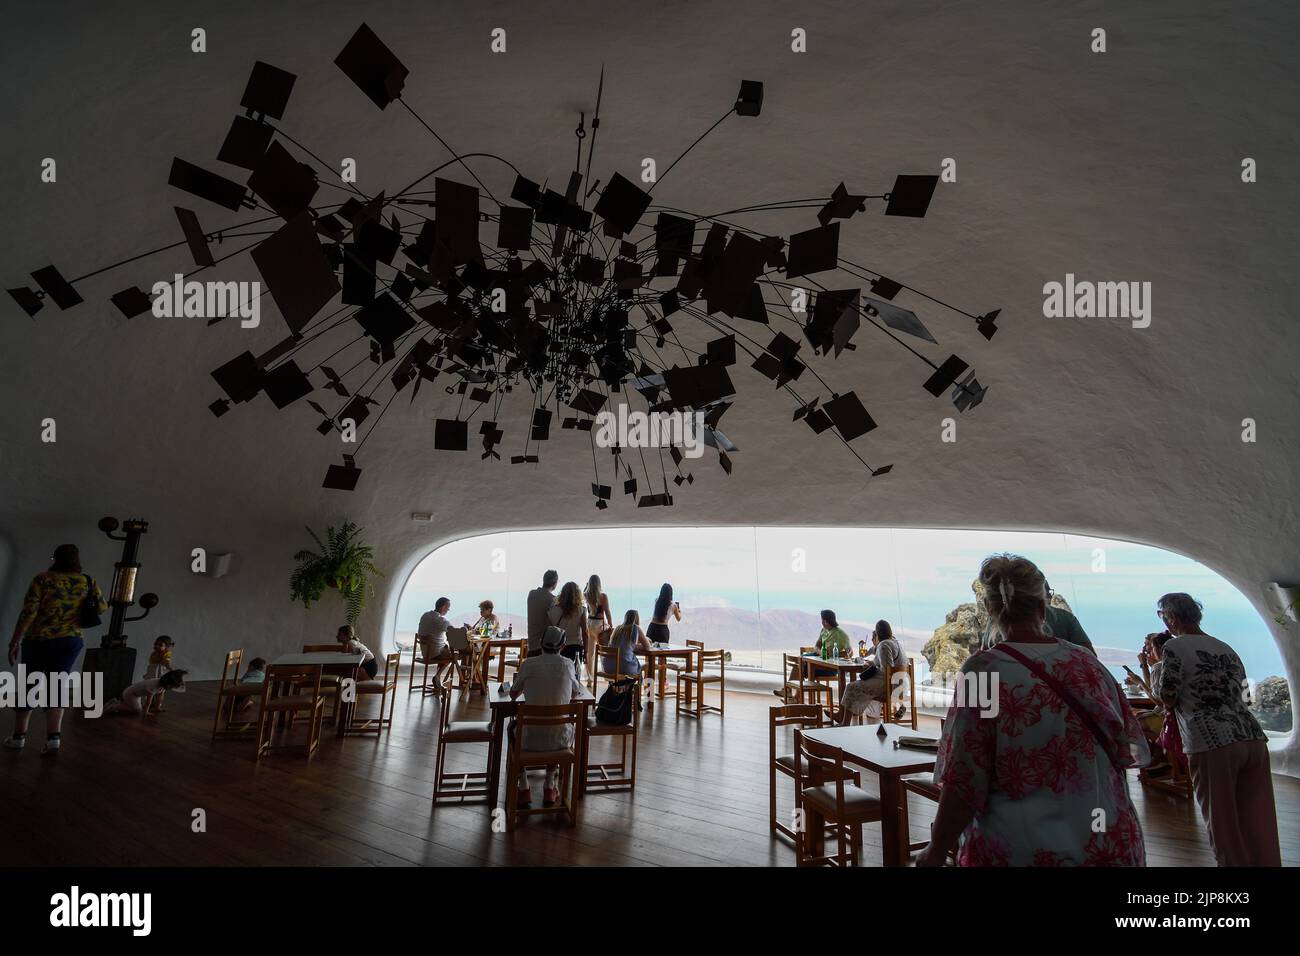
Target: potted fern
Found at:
x=342, y=563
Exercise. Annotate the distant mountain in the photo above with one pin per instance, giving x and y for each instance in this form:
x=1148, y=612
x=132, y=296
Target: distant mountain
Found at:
x=739, y=629
x=777, y=629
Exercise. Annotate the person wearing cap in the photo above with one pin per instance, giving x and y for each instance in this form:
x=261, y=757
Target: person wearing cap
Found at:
x=48, y=633
x=547, y=679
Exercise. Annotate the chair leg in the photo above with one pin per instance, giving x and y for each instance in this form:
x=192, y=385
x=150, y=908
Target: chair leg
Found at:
x=437, y=769
x=771, y=795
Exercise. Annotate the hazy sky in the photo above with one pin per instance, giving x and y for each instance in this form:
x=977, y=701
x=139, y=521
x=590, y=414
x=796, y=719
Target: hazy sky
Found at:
x=911, y=577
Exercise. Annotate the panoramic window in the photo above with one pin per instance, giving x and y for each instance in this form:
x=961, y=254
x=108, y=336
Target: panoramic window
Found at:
x=758, y=591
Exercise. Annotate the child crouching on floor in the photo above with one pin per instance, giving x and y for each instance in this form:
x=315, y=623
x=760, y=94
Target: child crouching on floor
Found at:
x=135, y=697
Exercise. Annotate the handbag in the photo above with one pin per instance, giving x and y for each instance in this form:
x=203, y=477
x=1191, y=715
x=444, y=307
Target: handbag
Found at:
x=1063, y=692
x=89, y=613
x=614, y=709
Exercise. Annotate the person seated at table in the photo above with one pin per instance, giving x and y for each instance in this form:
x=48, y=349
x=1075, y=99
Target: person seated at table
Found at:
x=431, y=634
x=624, y=642
x=547, y=680
x=570, y=615
x=133, y=698
x=347, y=638
x=870, y=685
x=1040, y=781
x=488, y=622
x=831, y=641
x=1153, y=642
x=657, y=632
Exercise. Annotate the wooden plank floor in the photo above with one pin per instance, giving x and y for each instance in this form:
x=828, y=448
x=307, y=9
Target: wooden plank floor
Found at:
x=123, y=792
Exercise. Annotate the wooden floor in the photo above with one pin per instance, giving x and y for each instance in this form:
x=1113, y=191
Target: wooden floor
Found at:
x=123, y=792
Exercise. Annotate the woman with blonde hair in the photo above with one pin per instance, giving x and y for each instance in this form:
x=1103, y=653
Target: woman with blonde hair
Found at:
x=624, y=642
x=1033, y=755
x=599, y=619
x=570, y=615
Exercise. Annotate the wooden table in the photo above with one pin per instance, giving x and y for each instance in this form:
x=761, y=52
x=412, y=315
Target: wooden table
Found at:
x=862, y=746
x=657, y=673
x=845, y=669
x=487, y=646
x=503, y=708
x=331, y=662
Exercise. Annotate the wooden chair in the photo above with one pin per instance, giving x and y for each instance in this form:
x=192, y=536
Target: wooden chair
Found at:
x=471, y=784
x=797, y=690
x=467, y=658
x=290, y=689
x=329, y=683
x=923, y=785
x=386, y=689
x=671, y=666
x=821, y=781
x=611, y=776
x=894, y=713
x=230, y=693
x=520, y=760
x=802, y=716
x=809, y=677
x=697, y=680
x=418, y=660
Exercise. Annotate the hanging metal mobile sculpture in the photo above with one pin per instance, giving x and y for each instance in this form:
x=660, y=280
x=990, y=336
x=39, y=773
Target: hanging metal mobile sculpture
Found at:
x=572, y=303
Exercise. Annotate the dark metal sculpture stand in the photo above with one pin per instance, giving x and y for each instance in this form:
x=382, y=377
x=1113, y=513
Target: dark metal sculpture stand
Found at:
x=113, y=658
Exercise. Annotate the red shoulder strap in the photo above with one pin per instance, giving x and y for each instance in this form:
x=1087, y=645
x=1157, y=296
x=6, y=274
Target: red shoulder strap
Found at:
x=1067, y=697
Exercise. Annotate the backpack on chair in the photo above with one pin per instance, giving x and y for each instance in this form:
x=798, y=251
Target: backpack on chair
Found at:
x=614, y=709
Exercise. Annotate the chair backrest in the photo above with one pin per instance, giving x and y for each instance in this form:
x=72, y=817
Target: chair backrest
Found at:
x=603, y=653
x=321, y=648
x=905, y=670
x=234, y=660
x=444, y=701
x=458, y=638
x=785, y=715
x=392, y=663
x=791, y=664
x=291, y=677
x=716, y=656
x=824, y=764
x=546, y=715
x=805, y=715
x=699, y=644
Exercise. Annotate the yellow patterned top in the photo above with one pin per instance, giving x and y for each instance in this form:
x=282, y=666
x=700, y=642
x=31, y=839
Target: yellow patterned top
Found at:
x=52, y=607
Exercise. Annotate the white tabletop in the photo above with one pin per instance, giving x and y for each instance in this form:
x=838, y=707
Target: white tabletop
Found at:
x=324, y=658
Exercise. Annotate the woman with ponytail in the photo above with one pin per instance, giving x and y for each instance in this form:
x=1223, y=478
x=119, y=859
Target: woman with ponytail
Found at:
x=1033, y=755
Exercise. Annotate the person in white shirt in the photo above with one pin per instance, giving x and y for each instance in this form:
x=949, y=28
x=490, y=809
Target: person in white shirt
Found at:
x=347, y=637
x=1204, y=681
x=570, y=615
x=540, y=602
x=133, y=698
x=432, y=637
x=547, y=680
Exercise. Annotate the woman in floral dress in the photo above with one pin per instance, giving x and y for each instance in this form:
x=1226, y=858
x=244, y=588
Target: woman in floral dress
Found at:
x=1034, y=750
